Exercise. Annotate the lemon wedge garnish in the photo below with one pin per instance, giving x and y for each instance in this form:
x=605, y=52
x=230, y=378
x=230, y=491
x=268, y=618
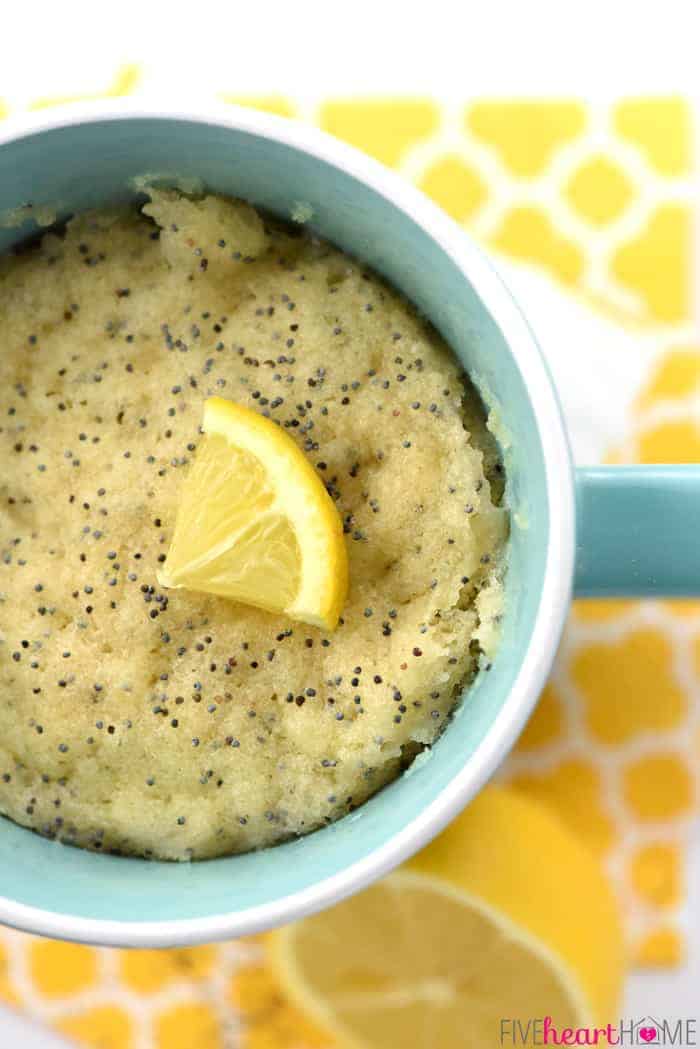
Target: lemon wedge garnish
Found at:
x=255, y=522
x=505, y=917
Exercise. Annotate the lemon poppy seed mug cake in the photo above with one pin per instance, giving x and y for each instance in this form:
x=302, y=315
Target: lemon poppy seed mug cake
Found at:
x=253, y=540
x=287, y=522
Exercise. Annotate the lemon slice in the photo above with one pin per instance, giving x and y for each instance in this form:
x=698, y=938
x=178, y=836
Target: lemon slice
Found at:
x=505, y=917
x=255, y=523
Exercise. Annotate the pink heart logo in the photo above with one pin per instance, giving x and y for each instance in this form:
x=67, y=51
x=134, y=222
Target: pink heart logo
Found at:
x=647, y=1034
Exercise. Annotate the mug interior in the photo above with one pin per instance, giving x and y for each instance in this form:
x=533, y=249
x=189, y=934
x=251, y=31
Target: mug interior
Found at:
x=88, y=164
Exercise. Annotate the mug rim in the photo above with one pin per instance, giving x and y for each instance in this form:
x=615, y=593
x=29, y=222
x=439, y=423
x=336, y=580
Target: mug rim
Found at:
x=559, y=568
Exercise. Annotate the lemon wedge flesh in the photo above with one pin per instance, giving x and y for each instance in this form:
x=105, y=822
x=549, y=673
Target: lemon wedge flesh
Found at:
x=504, y=917
x=255, y=523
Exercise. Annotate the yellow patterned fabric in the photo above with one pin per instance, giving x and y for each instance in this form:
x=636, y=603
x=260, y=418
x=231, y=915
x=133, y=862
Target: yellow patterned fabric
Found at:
x=599, y=197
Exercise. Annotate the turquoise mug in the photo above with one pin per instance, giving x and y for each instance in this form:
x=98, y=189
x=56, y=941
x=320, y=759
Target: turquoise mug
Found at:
x=598, y=531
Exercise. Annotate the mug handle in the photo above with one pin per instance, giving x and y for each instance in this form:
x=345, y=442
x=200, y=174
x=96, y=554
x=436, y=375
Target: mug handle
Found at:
x=637, y=531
